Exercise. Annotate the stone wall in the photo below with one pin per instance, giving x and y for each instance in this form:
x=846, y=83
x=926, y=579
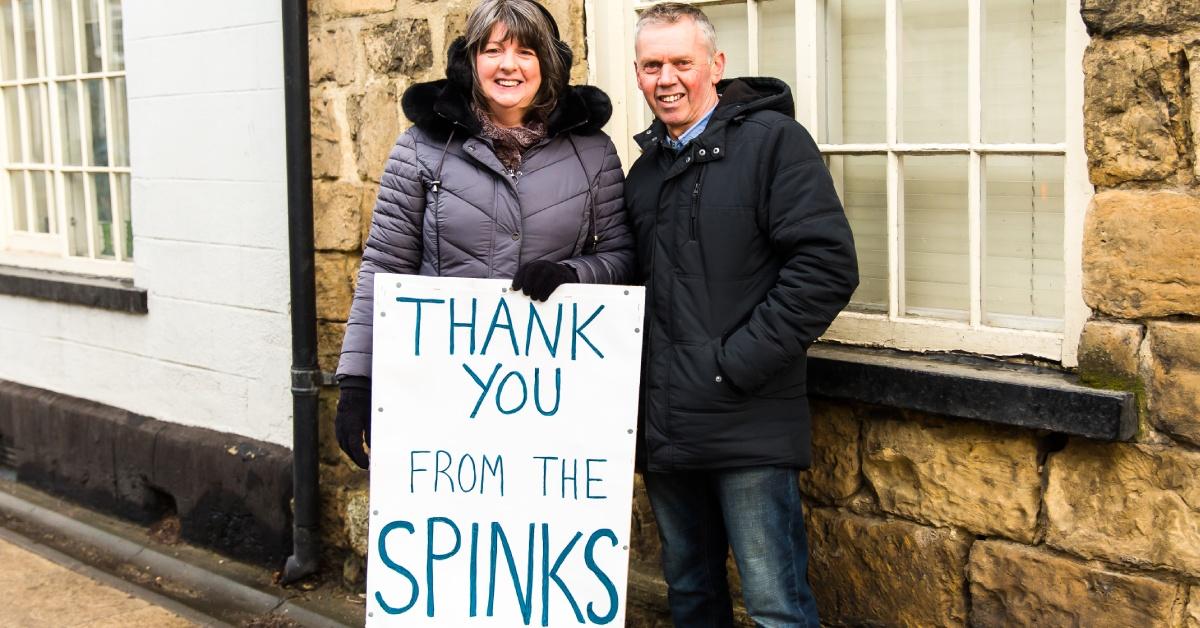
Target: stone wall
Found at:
x=913, y=519
x=920, y=520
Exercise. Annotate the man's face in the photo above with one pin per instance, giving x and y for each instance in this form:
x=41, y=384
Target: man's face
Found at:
x=676, y=73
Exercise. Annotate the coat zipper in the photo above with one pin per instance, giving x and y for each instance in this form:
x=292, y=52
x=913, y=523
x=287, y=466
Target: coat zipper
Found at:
x=514, y=177
x=651, y=324
x=510, y=177
x=695, y=204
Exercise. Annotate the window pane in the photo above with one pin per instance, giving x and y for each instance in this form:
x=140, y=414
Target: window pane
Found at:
x=64, y=36
x=12, y=125
x=936, y=248
x=29, y=35
x=102, y=198
x=116, y=37
x=862, y=185
x=730, y=22
x=777, y=41
x=68, y=110
x=8, y=43
x=91, y=35
x=33, y=113
x=1023, y=68
x=857, y=87
x=122, y=182
x=16, y=182
x=120, y=138
x=94, y=95
x=37, y=194
x=77, y=210
x=934, y=80
x=1023, y=242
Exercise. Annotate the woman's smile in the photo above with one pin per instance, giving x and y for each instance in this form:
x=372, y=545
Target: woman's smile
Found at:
x=509, y=76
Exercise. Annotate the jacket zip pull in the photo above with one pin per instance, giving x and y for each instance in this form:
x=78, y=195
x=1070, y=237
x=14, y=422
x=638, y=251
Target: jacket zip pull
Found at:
x=696, y=203
x=435, y=186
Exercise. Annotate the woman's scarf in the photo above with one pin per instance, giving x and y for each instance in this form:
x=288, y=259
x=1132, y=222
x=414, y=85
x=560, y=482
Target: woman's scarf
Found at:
x=511, y=142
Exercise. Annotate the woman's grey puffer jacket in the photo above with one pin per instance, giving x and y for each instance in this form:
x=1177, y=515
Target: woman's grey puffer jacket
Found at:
x=487, y=223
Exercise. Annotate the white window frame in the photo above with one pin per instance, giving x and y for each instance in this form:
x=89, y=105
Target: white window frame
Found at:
x=610, y=32
x=52, y=251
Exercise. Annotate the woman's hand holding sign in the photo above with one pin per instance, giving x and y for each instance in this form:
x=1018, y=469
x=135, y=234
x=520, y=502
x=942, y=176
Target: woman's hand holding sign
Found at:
x=541, y=278
x=353, y=421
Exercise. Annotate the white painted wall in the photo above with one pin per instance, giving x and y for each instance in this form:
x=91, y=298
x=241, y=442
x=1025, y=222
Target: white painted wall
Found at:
x=206, y=126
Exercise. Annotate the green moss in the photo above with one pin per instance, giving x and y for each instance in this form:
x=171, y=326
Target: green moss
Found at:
x=1108, y=379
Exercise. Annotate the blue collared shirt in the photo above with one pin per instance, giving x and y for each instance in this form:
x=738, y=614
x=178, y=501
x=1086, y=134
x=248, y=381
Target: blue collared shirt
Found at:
x=677, y=145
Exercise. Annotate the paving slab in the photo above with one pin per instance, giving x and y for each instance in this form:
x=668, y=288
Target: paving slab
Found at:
x=41, y=592
x=196, y=584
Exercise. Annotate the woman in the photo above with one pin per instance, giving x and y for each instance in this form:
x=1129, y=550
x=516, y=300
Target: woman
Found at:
x=505, y=173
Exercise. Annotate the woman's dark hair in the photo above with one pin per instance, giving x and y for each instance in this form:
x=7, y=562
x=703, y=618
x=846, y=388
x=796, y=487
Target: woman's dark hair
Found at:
x=530, y=25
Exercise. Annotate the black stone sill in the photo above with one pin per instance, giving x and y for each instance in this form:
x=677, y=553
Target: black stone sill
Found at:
x=99, y=292
x=1024, y=396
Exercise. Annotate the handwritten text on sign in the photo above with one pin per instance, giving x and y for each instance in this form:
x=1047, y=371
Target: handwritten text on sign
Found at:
x=503, y=438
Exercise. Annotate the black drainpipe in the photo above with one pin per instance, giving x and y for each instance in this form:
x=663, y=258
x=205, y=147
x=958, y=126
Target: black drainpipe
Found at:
x=306, y=376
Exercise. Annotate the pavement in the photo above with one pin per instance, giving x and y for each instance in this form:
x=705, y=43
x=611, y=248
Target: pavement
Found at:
x=43, y=587
x=63, y=565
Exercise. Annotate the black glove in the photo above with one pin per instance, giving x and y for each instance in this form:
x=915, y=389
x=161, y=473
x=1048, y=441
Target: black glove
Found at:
x=353, y=421
x=541, y=278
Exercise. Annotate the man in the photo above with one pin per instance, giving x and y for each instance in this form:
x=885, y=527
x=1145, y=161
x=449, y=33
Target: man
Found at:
x=747, y=257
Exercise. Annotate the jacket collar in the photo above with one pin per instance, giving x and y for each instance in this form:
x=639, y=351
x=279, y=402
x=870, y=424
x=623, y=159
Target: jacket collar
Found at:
x=710, y=146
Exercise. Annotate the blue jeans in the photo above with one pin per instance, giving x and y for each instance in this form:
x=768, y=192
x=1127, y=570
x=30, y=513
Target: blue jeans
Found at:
x=757, y=512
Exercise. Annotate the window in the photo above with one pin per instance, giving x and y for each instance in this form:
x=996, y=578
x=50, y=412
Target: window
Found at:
x=64, y=162
x=953, y=130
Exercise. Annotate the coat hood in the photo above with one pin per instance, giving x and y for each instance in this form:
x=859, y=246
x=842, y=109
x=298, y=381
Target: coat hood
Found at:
x=739, y=98
x=438, y=106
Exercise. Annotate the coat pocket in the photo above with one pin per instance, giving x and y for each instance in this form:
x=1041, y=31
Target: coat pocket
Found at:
x=790, y=383
x=696, y=381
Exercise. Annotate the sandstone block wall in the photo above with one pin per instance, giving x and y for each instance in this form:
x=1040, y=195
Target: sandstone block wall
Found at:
x=1141, y=245
x=959, y=523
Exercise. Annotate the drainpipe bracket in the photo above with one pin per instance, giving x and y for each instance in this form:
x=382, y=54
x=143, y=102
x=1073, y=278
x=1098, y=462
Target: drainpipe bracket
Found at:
x=306, y=381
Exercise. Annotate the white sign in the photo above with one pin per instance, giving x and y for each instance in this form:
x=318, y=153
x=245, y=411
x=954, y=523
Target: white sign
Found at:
x=503, y=437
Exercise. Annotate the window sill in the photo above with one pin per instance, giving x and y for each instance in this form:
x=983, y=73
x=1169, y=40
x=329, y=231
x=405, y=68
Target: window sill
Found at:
x=99, y=292
x=1019, y=395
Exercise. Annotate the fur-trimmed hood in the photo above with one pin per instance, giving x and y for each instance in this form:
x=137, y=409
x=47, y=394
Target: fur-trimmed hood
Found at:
x=438, y=106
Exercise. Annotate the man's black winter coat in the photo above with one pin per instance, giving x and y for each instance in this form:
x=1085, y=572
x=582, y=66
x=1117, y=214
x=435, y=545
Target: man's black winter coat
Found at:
x=747, y=257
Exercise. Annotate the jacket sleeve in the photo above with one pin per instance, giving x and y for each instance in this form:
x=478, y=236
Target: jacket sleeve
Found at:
x=393, y=246
x=612, y=261
x=808, y=229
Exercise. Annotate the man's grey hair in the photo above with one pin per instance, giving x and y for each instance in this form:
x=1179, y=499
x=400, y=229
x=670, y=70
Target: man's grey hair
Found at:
x=672, y=12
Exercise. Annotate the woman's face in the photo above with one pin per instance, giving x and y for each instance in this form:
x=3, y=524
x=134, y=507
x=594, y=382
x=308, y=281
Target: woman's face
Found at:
x=509, y=75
